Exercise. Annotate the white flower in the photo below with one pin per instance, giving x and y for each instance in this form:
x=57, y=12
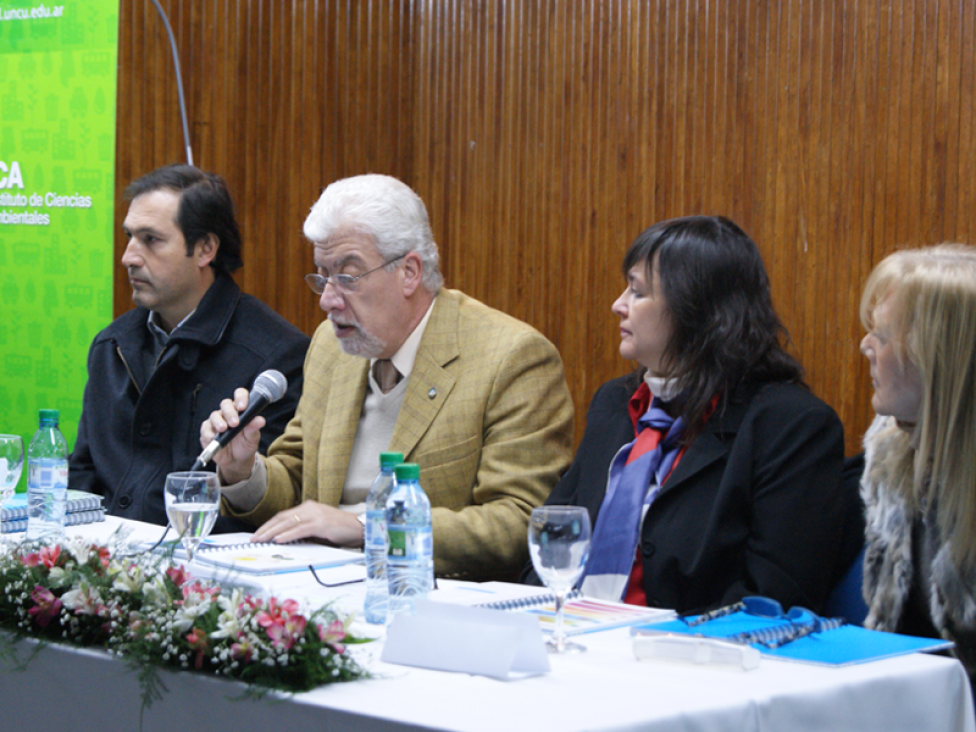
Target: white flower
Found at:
x=154, y=592
x=83, y=599
x=229, y=621
x=129, y=581
x=78, y=548
x=194, y=605
x=232, y=601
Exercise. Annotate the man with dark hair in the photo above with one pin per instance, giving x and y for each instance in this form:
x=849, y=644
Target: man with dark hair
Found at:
x=156, y=372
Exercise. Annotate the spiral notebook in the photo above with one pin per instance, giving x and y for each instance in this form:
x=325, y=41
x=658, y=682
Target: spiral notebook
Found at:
x=15, y=507
x=580, y=614
x=237, y=553
x=842, y=646
x=74, y=518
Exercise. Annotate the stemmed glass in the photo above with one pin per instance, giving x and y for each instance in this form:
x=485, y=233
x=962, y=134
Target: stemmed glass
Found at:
x=559, y=543
x=11, y=465
x=192, y=504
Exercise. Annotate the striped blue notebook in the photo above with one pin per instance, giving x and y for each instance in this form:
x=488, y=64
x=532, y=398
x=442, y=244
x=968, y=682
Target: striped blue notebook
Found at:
x=15, y=507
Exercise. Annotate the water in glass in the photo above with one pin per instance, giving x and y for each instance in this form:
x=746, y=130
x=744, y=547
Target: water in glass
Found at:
x=192, y=506
x=559, y=543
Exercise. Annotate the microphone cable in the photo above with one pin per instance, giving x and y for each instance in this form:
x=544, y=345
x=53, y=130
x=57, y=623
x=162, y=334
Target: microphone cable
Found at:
x=179, y=82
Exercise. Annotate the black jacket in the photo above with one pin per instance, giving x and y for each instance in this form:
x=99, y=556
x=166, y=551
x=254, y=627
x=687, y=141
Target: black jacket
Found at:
x=755, y=507
x=138, y=424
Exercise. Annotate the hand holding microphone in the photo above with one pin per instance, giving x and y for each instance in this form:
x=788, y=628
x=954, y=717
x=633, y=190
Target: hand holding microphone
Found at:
x=237, y=426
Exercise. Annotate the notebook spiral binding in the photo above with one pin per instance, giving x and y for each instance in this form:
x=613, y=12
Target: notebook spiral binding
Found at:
x=235, y=547
x=524, y=602
x=780, y=635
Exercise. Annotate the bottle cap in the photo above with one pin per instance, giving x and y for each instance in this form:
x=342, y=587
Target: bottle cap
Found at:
x=390, y=459
x=50, y=415
x=407, y=471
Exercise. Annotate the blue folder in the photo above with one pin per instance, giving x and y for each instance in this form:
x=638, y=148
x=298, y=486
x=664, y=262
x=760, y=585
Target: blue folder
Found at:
x=848, y=644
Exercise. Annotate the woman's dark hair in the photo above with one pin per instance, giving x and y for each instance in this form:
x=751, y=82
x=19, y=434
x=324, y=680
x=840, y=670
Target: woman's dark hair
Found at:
x=205, y=208
x=725, y=331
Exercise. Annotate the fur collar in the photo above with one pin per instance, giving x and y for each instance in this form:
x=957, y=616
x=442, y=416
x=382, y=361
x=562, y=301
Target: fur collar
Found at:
x=888, y=569
x=888, y=560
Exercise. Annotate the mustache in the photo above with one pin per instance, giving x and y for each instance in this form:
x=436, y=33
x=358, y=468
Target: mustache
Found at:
x=331, y=317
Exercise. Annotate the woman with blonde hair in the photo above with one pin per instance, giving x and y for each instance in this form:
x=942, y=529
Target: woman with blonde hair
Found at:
x=919, y=483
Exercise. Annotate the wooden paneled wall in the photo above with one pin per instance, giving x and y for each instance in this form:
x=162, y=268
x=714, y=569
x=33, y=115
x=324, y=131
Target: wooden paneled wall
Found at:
x=545, y=135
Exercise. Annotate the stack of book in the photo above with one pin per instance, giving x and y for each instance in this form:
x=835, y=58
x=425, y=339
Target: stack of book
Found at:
x=82, y=508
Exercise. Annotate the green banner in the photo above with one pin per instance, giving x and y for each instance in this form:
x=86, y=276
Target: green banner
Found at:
x=57, y=170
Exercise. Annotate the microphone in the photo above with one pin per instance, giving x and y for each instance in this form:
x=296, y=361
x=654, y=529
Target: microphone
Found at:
x=268, y=387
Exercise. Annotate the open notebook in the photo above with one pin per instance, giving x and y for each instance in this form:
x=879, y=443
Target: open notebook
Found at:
x=236, y=552
x=580, y=614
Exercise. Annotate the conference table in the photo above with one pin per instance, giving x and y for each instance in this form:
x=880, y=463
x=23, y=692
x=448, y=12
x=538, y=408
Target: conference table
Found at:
x=606, y=688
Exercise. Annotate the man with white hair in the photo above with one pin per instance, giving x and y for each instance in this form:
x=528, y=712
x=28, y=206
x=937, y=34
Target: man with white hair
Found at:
x=476, y=397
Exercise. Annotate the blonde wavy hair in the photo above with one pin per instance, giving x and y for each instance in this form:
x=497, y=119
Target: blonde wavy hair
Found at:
x=934, y=321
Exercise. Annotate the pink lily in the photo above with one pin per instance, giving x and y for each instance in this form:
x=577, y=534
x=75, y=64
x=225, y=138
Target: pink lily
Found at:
x=276, y=614
x=198, y=642
x=196, y=592
x=332, y=636
x=178, y=575
x=286, y=633
x=242, y=650
x=48, y=556
x=46, y=608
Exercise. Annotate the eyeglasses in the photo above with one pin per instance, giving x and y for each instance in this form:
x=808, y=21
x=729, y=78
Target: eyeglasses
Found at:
x=344, y=283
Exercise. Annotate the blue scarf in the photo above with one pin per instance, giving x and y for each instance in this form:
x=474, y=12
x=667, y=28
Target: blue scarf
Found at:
x=617, y=530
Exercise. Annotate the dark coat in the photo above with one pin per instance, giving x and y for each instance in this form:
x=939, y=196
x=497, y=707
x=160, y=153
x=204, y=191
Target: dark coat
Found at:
x=138, y=424
x=755, y=507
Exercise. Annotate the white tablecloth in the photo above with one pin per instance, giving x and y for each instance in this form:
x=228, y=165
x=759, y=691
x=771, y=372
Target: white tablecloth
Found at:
x=602, y=689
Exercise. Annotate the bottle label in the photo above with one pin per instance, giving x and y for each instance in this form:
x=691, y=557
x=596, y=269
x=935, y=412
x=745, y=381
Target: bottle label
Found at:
x=410, y=543
x=376, y=529
x=48, y=474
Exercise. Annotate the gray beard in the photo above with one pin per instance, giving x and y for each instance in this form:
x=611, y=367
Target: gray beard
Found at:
x=363, y=344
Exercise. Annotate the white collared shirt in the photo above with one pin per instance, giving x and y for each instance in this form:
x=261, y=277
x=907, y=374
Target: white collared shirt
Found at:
x=244, y=496
x=377, y=420
x=405, y=357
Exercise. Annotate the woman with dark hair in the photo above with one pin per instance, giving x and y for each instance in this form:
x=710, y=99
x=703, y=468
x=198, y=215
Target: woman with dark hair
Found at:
x=711, y=473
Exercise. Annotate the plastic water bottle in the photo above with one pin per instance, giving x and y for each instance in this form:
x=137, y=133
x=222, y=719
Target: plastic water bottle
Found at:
x=47, y=480
x=410, y=559
x=375, y=539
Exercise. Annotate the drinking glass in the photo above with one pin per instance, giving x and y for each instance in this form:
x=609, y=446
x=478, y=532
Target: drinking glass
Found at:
x=11, y=465
x=559, y=543
x=192, y=504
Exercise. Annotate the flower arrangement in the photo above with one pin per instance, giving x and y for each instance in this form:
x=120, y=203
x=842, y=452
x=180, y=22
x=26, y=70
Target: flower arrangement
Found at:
x=146, y=609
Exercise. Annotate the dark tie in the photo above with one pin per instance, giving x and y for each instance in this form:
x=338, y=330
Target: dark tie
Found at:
x=385, y=374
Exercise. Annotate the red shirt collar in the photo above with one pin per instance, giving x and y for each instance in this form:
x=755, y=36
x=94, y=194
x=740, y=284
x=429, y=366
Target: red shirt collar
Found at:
x=639, y=403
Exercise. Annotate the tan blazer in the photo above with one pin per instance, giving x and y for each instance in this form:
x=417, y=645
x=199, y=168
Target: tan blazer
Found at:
x=486, y=414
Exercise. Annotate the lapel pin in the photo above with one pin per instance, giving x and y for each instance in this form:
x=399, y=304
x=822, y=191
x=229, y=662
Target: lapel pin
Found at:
x=432, y=393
